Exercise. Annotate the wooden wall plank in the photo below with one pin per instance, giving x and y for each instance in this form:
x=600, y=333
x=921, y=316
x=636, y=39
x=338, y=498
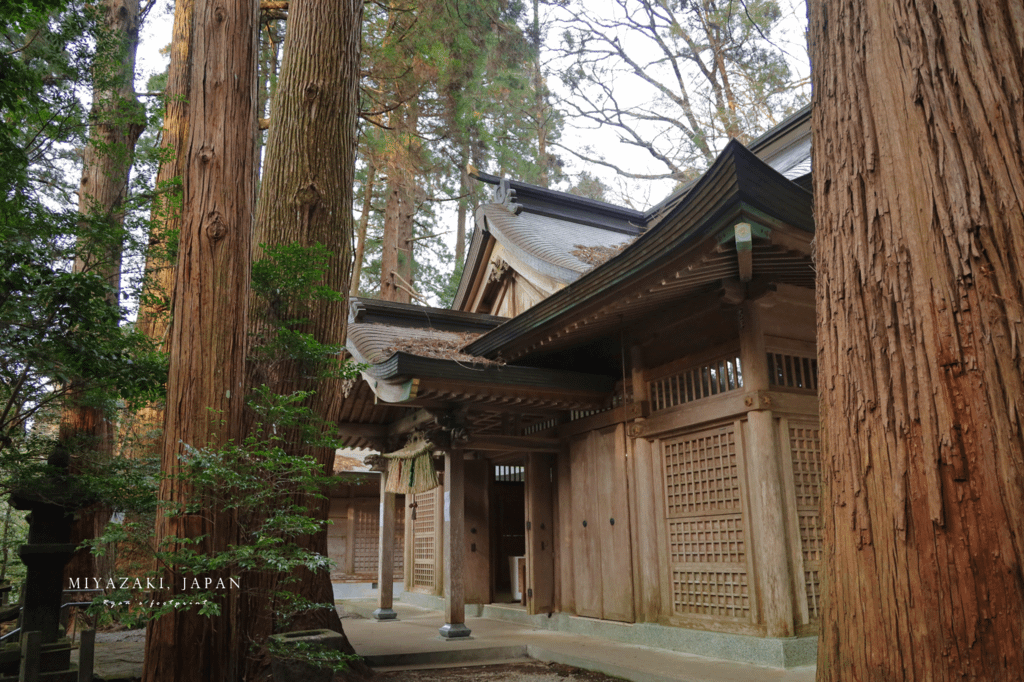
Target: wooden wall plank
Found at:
x=585, y=535
x=477, y=573
x=613, y=521
x=540, y=565
x=646, y=524
x=566, y=535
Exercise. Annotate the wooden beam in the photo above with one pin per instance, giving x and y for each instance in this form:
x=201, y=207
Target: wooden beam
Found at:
x=520, y=443
x=744, y=251
x=353, y=430
x=410, y=423
x=593, y=422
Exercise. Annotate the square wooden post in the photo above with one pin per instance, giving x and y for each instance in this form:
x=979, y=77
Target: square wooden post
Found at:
x=764, y=471
x=454, y=546
x=386, y=554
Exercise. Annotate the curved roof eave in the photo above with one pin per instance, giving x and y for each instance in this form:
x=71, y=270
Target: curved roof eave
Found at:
x=736, y=179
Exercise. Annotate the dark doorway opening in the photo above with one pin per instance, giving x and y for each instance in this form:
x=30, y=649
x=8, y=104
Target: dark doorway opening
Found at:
x=508, y=528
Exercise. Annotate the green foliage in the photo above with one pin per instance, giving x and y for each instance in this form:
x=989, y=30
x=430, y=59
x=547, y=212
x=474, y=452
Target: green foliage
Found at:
x=13, y=534
x=464, y=70
x=316, y=656
x=56, y=326
x=264, y=483
x=286, y=283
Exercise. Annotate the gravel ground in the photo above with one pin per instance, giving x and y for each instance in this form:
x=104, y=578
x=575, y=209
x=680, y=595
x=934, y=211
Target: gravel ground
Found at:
x=533, y=671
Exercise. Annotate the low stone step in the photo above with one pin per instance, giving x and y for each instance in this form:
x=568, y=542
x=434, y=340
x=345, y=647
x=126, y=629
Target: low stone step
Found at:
x=444, y=666
x=421, y=659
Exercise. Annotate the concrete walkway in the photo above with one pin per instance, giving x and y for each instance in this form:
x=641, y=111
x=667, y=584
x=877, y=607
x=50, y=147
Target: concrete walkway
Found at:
x=412, y=641
x=118, y=656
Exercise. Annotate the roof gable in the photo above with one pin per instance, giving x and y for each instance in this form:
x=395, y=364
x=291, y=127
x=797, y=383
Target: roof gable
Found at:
x=682, y=252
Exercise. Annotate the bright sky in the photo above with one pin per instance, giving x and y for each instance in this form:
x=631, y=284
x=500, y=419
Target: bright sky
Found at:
x=790, y=37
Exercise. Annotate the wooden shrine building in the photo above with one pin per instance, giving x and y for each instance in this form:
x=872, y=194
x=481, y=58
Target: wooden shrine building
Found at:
x=625, y=399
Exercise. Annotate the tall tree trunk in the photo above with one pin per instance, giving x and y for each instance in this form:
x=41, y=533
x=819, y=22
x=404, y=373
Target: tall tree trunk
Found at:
x=116, y=121
x=154, y=308
x=540, y=100
x=396, y=266
x=919, y=203
x=364, y=221
x=460, y=221
x=205, y=388
x=306, y=197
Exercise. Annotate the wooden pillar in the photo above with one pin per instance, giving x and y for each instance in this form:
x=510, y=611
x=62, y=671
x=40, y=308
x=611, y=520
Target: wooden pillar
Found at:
x=540, y=563
x=642, y=493
x=454, y=546
x=409, y=544
x=386, y=555
x=767, y=519
x=350, y=532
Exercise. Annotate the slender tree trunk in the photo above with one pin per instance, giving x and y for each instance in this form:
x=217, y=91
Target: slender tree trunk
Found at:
x=116, y=121
x=364, y=221
x=919, y=201
x=460, y=222
x=205, y=389
x=154, y=308
x=540, y=100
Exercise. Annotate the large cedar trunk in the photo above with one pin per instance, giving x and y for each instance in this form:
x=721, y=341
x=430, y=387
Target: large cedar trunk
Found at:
x=205, y=389
x=306, y=196
x=154, y=310
x=919, y=201
x=116, y=121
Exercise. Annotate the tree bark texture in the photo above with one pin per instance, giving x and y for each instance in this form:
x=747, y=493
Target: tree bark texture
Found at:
x=396, y=263
x=154, y=310
x=919, y=201
x=306, y=196
x=205, y=389
x=116, y=121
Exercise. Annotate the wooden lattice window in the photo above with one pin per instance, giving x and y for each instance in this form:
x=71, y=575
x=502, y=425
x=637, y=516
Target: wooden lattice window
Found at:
x=805, y=450
x=805, y=446
x=706, y=528
x=708, y=540
x=708, y=379
x=724, y=594
x=367, y=541
x=424, y=540
x=792, y=371
x=701, y=473
x=813, y=586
